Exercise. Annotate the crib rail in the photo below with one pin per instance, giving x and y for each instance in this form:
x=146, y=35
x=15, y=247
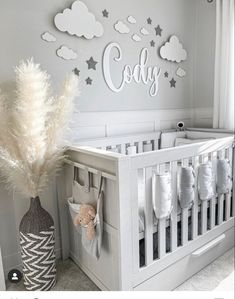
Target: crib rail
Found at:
x=120, y=144
x=149, y=159
x=188, y=224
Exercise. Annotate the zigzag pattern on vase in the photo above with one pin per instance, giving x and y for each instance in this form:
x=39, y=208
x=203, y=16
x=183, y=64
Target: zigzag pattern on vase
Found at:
x=38, y=257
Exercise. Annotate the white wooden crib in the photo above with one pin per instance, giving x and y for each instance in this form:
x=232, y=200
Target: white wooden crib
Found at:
x=186, y=242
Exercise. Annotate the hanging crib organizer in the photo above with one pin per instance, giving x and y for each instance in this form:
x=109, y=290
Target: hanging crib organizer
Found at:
x=86, y=210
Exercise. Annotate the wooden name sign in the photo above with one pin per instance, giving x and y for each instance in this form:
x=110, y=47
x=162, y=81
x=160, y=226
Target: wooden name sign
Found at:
x=140, y=73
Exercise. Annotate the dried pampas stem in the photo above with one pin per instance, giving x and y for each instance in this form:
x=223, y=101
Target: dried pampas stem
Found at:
x=32, y=127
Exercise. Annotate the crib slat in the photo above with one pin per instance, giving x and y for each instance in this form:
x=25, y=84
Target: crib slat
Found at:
x=233, y=181
x=227, y=205
x=148, y=217
x=135, y=219
x=220, y=196
x=123, y=148
x=148, y=147
x=155, y=144
x=203, y=217
x=161, y=225
x=184, y=217
x=195, y=206
x=213, y=200
x=161, y=238
x=140, y=147
x=212, y=212
x=173, y=225
x=204, y=205
x=228, y=155
x=184, y=226
x=220, y=208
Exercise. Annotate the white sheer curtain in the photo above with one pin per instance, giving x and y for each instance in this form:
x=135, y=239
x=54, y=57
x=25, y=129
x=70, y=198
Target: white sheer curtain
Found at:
x=224, y=66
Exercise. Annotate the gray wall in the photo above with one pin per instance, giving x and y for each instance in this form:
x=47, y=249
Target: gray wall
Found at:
x=22, y=23
x=205, y=54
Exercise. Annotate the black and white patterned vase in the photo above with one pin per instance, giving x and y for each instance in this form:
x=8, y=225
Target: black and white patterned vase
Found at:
x=37, y=242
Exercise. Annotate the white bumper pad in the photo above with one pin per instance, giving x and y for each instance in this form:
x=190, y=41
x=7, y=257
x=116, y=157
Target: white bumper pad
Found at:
x=162, y=196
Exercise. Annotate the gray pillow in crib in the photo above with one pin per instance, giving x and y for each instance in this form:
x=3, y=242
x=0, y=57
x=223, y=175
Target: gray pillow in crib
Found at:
x=162, y=196
x=168, y=138
x=224, y=181
x=186, y=187
x=183, y=141
x=206, y=181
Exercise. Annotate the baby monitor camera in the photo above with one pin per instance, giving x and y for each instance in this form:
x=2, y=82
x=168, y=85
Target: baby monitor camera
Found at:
x=180, y=125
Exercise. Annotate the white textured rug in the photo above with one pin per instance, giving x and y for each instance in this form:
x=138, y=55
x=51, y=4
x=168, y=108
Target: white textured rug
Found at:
x=218, y=276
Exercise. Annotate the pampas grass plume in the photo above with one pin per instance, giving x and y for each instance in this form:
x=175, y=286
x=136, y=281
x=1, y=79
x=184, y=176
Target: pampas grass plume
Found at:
x=33, y=127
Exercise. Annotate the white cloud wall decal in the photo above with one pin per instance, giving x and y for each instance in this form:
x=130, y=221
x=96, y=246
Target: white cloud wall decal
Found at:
x=131, y=20
x=136, y=37
x=48, y=37
x=144, y=31
x=121, y=27
x=66, y=53
x=180, y=72
x=173, y=50
x=79, y=21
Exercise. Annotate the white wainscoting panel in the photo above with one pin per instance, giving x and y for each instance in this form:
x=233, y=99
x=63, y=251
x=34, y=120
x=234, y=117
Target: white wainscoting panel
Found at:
x=125, y=128
x=102, y=124
x=203, y=117
x=85, y=132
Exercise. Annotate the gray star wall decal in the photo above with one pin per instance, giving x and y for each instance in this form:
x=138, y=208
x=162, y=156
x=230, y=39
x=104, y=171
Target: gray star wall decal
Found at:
x=152, y=43
x=172, y=82
x=166, y=74
x=88, y=81
x=105, y=13
x=158, y=30
x=91, y=63
x=149, y=21
x=76, y=71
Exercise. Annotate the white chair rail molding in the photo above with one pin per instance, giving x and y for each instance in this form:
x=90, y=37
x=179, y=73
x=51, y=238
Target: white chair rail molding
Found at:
x=117, y=147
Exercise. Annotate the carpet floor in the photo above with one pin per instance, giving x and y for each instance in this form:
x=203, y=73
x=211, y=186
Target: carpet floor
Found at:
x=218, y=276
